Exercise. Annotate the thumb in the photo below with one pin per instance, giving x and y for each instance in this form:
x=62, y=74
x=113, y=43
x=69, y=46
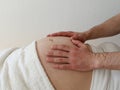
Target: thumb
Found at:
x=77, y=42
x=74, y=37
x=78, y=37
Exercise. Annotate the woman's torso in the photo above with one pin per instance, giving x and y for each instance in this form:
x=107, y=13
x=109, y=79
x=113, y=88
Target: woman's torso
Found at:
x=62, y=79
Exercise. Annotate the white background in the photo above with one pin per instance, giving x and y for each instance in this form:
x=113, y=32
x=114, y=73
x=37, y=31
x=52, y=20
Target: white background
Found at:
x=22, y=21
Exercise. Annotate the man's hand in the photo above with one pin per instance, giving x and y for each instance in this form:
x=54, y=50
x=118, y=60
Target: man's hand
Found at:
x=78, y=58
x=74, y=35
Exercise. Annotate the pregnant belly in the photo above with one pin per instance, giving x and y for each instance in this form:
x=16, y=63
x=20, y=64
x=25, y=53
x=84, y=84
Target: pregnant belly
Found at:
x=62, y=79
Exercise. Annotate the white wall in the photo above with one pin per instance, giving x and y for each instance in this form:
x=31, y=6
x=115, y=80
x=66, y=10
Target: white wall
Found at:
x=22, y=21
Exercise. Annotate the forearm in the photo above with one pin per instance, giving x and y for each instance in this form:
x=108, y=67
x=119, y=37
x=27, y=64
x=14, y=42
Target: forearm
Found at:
x=108, y=28
x=108, y=60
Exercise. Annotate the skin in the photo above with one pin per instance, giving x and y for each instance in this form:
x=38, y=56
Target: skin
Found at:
x=62, y=79
x=110, y=60
x=82, y=36
x=71, y=56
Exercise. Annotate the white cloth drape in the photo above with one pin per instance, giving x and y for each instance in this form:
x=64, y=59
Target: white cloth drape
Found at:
x=20, y=69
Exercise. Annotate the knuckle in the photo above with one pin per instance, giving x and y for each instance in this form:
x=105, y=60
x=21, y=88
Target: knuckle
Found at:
x=55, y=60
x=59, y=52
x=50, y=53
x=60, y=60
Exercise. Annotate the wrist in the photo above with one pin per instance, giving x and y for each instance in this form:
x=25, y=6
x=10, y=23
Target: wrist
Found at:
x=87, y=35
x=94, y=33
x=99, y=60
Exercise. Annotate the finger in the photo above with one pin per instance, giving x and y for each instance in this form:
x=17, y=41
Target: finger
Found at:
x=62, y=66
x=57, y=60
x=77, y=42
x=75, y=36
x=61, y=47
x=68, y=34
x=68, y=67
x=57, y=53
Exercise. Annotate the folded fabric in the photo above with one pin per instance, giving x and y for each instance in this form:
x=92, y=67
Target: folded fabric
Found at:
x=20, y=69
x=103, y=79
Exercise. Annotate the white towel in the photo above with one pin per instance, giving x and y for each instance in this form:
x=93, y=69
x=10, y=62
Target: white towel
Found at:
x=103, y=79
x=20, y=69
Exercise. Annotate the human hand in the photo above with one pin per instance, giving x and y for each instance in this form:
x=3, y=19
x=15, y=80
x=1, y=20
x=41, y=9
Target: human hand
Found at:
x=78, y=58
x=82, y=36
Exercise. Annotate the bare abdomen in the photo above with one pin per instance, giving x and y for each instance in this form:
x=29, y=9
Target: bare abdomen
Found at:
x=62, y=79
